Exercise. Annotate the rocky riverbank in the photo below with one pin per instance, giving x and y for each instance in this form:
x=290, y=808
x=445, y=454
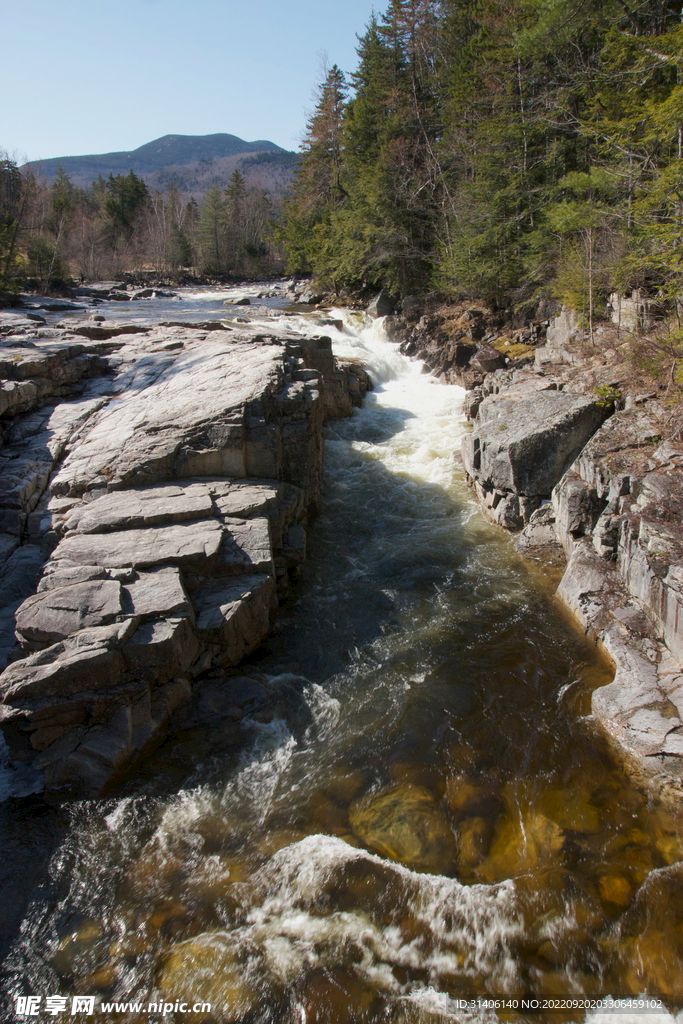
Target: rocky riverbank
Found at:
x=565, y=451
x=155, y=483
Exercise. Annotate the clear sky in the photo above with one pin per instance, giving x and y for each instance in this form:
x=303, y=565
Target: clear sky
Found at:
x=97, y=76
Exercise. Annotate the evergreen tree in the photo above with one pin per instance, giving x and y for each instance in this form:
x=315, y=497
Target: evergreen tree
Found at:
x=13, y=198
x=212, y=232
x=125, y=198
x=318, y=188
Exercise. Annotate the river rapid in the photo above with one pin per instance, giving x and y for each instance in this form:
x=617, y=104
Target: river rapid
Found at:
x=428, y=817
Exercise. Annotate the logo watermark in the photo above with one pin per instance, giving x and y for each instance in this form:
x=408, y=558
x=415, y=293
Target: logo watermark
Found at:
x=31, y=1006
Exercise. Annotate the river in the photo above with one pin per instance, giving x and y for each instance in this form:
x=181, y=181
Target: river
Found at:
x=429, y=817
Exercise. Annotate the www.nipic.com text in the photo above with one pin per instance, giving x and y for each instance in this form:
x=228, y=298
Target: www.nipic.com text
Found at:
x=31, y=1006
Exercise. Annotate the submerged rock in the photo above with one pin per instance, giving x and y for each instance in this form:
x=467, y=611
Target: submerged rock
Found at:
x=521, y=845
x=651, y=935
x=406, y=825
x=338, y=996
x=206, y=969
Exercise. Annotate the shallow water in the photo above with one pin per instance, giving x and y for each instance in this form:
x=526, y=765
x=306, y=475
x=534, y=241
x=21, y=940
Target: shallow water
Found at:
x=430, y=815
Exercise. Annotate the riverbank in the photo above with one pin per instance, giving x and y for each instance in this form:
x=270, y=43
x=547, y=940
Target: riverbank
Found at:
x=572, y=448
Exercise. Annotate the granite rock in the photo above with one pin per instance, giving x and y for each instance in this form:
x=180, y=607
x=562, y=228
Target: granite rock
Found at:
x=168, y=503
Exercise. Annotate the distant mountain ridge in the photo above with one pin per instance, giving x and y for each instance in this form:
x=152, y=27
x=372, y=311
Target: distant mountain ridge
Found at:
x=176, y=151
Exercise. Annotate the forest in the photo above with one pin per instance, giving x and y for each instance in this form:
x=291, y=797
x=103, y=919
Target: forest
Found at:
x=521, y=153
x=514, y=152
x=51, y=233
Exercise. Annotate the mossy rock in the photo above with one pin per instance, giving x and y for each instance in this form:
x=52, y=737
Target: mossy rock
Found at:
x=512, y=349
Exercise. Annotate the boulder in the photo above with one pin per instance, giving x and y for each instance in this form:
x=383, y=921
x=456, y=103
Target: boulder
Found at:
x=487, y=359
x=523, y=444
x=381, y=305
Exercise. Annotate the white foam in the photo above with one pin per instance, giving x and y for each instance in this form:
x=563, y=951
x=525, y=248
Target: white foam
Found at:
x=462, y=929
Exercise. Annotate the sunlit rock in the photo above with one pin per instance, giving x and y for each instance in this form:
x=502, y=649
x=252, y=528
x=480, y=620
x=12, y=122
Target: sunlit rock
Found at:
x=406, y=825
x=54, y=615
x=173, y=498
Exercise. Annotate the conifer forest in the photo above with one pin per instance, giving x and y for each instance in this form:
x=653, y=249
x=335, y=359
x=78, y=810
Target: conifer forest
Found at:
x=506, y=152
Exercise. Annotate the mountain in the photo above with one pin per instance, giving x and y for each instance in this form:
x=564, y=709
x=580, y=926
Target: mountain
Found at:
x=192, y=162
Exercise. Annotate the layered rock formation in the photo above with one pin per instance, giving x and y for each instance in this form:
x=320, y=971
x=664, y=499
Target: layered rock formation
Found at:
x=598, y=488
x=525, y=437
x=149, y=523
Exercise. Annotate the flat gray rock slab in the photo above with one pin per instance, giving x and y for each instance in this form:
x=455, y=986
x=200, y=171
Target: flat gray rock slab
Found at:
x=149, y=506
x=158, y=593
x=56, y=614
x=246, y=546
x=84, y=669
x=182, y=544
x=193, y=399
x=240, y=499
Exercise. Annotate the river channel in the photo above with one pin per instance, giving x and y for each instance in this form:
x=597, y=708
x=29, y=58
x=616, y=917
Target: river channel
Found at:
x=429, y=816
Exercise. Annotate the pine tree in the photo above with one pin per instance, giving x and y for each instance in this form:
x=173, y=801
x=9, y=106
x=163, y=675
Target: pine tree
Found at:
x=318, y=188
x=13, y=199
x=212, y=232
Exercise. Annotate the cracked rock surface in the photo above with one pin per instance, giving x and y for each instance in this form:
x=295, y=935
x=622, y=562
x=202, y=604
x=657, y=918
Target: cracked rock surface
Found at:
x=154, y=489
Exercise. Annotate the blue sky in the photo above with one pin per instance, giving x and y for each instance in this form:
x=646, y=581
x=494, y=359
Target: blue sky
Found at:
x=96, y=76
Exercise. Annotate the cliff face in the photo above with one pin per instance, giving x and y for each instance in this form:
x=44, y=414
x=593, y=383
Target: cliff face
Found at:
x=598, y=489
x=150, y=522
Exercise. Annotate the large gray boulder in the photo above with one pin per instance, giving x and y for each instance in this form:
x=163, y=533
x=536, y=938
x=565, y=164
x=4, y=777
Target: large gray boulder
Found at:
x=381, y=305
x=524, y=443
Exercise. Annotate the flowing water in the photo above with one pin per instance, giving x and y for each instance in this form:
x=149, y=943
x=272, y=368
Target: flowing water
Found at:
x=428, y=816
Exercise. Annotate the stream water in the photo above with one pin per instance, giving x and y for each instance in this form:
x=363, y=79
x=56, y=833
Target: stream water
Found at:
x=430, y=816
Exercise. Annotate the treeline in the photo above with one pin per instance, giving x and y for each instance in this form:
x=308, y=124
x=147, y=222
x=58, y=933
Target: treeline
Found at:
x=512, y=152
x=53, y=233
